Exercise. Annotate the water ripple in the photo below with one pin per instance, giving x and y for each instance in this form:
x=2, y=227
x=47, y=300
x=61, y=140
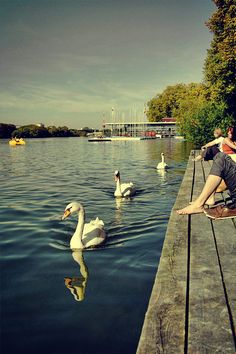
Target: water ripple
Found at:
x=46, y=289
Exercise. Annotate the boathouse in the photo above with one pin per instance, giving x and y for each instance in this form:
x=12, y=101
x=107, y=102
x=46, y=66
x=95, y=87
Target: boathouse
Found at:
x=166, y=128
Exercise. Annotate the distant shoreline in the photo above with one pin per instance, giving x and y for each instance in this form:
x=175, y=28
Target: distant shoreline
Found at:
x=7, y=131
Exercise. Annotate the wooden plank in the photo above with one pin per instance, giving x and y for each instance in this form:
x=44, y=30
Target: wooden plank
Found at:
x=164, y=325
x=225, y=237
x=192, y=308
x=209, y=325
x=206, y=165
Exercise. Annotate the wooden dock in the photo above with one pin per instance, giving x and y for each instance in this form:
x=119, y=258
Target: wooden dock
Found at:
x=192, y=309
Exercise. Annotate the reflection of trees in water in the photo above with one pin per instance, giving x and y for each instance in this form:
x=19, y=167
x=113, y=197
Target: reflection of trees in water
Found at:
x=172, y=148
x=77, y=285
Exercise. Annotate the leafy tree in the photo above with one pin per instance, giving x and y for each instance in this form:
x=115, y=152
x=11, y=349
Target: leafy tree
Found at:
x=74, y=132
x=168, y=102
x=219, y=69
x=35, y=131
x=199, y=108
x=163, y=104
x=6, y=130
x=87, y=129
x=31, y=131
x=198, y=126
x=62, y=132
x=52, y=130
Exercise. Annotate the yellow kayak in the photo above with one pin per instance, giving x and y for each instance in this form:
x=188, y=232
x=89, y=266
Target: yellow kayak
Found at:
x=16, y=142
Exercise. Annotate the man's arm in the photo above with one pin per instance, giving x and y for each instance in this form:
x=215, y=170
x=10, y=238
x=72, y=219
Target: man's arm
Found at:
x=211, y=143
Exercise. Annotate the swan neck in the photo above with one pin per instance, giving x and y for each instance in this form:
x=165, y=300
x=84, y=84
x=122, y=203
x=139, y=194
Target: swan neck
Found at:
x=118, y=185
x=162, y=158
x=80, y=228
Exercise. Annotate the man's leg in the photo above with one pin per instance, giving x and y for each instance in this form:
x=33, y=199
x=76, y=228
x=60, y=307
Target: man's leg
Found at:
x=228, y=167
x=210, y=152
x=223, y=167
x=222, y=187
x=196, y=207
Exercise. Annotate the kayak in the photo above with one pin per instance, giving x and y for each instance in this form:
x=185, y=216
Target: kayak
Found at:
x=14, y=142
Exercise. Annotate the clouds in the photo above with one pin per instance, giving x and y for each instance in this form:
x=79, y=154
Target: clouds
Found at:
x=67, y=59
x=30, y=97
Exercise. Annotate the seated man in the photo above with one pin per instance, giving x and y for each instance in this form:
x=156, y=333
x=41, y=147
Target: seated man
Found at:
x=209, y=150
x=223, y=168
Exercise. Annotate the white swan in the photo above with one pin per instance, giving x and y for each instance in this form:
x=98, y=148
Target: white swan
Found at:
x=86, y=235
x=123, y=189
x=162, y=165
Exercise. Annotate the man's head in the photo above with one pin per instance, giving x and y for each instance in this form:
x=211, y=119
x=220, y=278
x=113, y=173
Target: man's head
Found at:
x=218, y=133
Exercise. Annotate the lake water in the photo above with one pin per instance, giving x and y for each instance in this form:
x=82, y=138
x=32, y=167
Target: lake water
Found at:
x=55, y=301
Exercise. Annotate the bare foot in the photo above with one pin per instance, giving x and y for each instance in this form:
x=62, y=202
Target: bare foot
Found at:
x=191, y=209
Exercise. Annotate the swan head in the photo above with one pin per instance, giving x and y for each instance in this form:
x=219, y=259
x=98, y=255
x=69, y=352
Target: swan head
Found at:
x=70, y=209
x=162, y=154
x=117, y=175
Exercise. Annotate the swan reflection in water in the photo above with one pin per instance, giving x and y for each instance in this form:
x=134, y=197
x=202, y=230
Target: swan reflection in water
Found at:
x=77, y=285
x=120, y=203
x=162, y=174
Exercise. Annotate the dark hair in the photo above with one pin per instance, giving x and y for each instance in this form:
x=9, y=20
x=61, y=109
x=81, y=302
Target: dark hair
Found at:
x=232, y=130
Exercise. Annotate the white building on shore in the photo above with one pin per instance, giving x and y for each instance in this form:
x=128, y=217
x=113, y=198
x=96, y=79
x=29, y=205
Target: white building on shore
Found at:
x=166, y=128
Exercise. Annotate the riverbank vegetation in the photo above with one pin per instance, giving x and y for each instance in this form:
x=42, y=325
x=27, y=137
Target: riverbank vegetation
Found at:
x=6, y=130
x=39, y=131
x=200, y=107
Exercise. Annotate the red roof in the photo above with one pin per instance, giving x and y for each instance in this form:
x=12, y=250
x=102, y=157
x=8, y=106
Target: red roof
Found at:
x=171, y=120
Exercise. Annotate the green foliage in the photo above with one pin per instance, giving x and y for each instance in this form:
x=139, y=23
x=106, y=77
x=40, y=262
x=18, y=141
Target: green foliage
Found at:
x=59, y=131
x=168, y=102
x=74, y=132
x=198, y=126
x=35, y=131
x=31, y=131
x=199, y=108
x=87, y=129
x=6, y=130
x=220, y=69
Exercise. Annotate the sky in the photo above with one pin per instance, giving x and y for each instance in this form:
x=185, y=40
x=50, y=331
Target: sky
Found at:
x=69, y=62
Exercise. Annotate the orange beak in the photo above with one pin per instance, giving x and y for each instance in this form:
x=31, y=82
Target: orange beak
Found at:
x=66, y=214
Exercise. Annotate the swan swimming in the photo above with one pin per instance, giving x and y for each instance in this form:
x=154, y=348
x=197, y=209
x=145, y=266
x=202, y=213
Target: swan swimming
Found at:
x=123, y=189
x=162, y=165
x=86, y=235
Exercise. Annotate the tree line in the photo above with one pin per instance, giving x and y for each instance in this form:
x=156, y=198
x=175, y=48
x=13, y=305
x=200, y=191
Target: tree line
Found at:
x=34, y=131
x=200, y=107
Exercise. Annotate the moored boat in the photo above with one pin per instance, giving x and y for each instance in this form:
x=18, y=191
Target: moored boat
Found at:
x=125, y=138
x=98, y=139
x=179, y=137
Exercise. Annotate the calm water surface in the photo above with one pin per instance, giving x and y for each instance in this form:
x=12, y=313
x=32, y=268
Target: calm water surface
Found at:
x=55, y=301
